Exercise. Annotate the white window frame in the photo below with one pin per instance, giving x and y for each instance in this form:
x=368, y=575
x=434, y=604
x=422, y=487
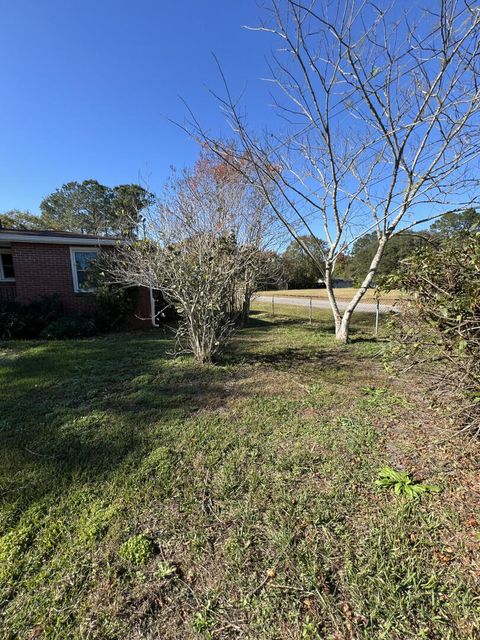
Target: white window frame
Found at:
x=2, y=276
x=73, y=251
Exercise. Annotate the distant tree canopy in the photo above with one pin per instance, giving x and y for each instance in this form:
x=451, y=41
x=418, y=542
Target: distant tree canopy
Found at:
x=128, y=202
x=456, y=223
x=450, y=225
x=16, y=219
x=86, y=207
x=77, y=206
x=398, y=248
x=300, y=271
x=91, y=207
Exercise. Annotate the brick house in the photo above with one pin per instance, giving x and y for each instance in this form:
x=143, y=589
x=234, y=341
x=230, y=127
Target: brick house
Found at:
x=40, y=263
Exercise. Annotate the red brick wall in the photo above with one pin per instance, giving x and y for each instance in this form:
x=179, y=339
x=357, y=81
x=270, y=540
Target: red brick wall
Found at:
x=7, y=291
x=141, y=319
x=46, y=269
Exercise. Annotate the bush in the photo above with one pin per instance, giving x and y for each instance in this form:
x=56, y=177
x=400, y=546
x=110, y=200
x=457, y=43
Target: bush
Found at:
x=69, y=327
x=39, y=314
x=114, y=306
x=438, y=332
x=28, y=320
x=10, y=321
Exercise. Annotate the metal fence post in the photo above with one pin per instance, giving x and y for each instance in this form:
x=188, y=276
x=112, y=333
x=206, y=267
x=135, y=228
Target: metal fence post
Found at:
x=273, y=306
x=377, y=316
x=310, y=312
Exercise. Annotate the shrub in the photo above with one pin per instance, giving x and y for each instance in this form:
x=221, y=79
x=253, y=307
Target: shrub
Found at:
x=114, y=306
x=69, y=327
x=438, y=331
x=10, y=321
x=39, y=314
x=28, y=320
x=165, y=312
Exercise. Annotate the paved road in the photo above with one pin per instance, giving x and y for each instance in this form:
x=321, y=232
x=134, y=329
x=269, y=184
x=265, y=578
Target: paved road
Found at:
x=318, y=303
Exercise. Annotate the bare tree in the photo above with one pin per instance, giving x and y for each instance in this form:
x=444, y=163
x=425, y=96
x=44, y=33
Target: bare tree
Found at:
x=204, y=249
x=380, y=111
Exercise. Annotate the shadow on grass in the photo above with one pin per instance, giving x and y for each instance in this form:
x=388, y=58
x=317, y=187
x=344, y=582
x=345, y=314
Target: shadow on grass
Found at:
x=362, y=339
x=81, y=408
x=292, y=358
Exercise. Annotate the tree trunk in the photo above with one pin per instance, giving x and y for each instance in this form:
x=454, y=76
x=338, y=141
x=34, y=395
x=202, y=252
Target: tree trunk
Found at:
x=331, y=295
x=245, y=310
x=342, y=331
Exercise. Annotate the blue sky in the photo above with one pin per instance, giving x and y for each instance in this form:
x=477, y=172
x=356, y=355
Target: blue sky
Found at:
x=87, y=87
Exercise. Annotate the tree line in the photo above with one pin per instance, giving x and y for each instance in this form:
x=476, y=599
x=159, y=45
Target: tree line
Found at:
x=301, y=272
x=87, y=207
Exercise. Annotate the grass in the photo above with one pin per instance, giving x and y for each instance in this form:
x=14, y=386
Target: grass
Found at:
x=344, y=293
x=145, y=497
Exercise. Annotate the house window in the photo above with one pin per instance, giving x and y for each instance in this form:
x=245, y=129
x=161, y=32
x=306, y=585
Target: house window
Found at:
x=81, y=263
x=7, y=271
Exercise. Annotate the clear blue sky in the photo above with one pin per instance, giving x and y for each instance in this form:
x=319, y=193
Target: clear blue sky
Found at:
x=87, y=87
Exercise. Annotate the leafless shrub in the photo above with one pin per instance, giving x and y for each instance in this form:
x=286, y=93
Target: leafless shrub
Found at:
x=205, y=249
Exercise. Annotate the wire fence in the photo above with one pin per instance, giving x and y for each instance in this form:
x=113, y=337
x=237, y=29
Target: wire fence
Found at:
x=307, y=306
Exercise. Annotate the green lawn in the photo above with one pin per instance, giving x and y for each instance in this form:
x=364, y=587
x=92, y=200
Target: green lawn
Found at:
x=145, y=497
